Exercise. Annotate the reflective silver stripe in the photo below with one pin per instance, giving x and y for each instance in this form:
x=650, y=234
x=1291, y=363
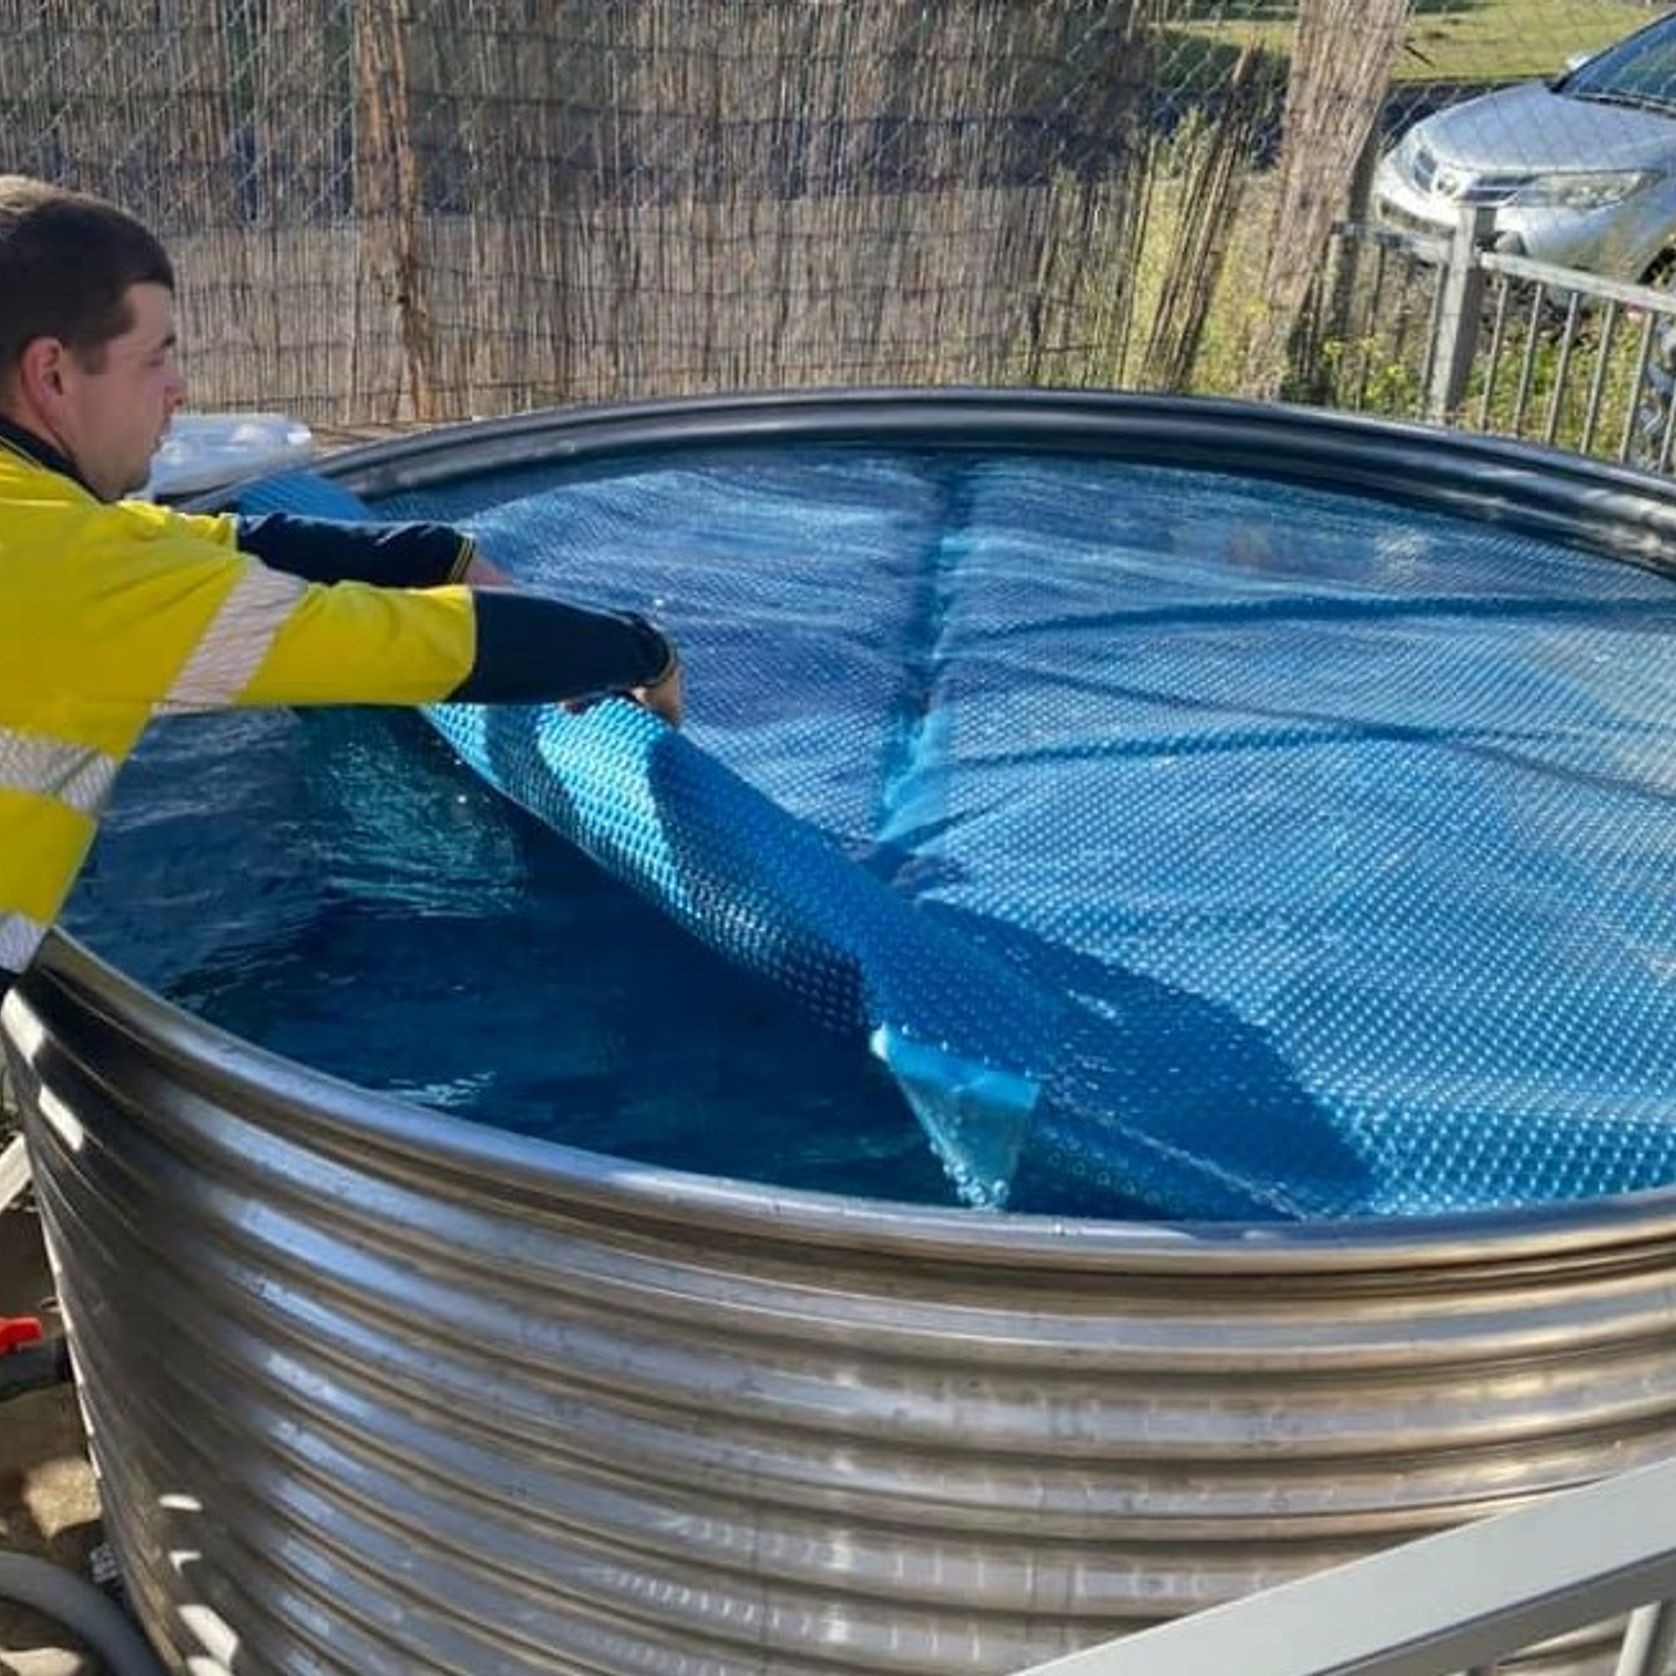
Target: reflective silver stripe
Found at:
x=227, y=658
x=73, y=774
x=20, y=936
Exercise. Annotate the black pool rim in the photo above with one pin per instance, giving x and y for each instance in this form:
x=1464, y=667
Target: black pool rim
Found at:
x=1610, y=509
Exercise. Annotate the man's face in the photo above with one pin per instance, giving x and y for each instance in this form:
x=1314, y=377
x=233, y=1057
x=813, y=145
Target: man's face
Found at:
x=113, y=409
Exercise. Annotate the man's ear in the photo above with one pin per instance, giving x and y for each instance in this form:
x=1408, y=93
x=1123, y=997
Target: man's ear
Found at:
x=40, y=371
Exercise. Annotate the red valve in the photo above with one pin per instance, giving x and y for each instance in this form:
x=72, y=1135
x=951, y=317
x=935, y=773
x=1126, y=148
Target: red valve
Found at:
x=16, y=1330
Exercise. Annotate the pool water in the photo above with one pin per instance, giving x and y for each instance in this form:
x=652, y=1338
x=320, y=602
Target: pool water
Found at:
x=334, y=887
x=1341, y=828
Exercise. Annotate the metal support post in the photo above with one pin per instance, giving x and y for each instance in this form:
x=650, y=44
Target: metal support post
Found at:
x=1459, y=317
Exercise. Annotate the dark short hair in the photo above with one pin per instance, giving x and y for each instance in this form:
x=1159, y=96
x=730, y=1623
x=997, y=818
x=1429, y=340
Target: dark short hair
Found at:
x=66, y=262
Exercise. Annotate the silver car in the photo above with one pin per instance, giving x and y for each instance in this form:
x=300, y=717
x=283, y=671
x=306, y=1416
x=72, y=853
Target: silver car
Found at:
x=1580, y=171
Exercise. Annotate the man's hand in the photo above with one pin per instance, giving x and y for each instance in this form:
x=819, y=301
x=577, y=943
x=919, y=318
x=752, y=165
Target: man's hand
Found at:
x=481, y=574
x=665, y=699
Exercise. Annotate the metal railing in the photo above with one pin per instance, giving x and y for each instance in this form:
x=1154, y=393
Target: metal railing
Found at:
x=1460, y=1602
x=1511, y=346
x=1610, y=387
x=1370, y=333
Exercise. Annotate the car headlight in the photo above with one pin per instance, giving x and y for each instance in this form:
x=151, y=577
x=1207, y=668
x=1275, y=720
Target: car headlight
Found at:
x=1581, y=191
x=1407, y=154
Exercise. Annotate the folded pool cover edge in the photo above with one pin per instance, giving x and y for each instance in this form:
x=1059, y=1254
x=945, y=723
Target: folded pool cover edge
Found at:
x=765, y=890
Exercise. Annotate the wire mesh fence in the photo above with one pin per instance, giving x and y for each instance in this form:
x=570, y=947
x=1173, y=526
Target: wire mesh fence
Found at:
x=432, y=208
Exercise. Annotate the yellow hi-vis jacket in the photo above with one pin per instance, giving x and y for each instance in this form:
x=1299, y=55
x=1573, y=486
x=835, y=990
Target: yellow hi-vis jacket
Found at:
x=111, y=614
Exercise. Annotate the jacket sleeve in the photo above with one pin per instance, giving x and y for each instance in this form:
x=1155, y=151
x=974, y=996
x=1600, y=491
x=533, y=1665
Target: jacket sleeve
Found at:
x=324, y=550
x=387, y=555
x=531, y=649
x=487, y=647
x=181, y=621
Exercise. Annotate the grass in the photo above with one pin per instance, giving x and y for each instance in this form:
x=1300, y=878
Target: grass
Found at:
x=1238, y=302
x=1474, y=41
x=1572, y=375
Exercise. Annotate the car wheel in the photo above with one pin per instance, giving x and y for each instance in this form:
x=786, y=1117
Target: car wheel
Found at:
x=1660, y=273
x=1652, y=408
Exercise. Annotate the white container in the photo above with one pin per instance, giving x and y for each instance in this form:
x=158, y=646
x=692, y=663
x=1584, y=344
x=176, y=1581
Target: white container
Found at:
x=205, y=451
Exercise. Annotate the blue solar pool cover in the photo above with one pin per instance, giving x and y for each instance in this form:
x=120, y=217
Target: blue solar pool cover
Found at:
x=1186, y=845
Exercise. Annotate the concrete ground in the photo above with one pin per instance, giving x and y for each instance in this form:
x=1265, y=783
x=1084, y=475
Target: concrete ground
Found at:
x=48, y=1503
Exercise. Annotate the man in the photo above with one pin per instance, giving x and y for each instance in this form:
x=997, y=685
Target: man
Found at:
x=113, y=611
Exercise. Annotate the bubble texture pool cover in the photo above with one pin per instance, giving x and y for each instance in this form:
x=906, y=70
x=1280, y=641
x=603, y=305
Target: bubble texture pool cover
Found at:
x=1187, y=844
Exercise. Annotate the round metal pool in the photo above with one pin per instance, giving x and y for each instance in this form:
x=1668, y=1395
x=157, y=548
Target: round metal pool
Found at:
x=373, y=1389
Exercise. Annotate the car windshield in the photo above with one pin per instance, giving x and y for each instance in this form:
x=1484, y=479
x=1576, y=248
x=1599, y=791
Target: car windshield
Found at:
x=1640, y=71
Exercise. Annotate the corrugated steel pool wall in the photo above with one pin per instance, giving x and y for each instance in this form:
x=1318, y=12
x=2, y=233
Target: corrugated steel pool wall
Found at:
x=373, y=1390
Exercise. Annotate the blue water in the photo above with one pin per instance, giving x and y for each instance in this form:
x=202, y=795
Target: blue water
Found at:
x=1340, y=832
x=335, y=887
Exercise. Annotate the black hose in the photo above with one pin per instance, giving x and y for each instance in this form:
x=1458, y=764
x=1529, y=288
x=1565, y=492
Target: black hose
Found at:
x=92, y=1618
x=88, y=1615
